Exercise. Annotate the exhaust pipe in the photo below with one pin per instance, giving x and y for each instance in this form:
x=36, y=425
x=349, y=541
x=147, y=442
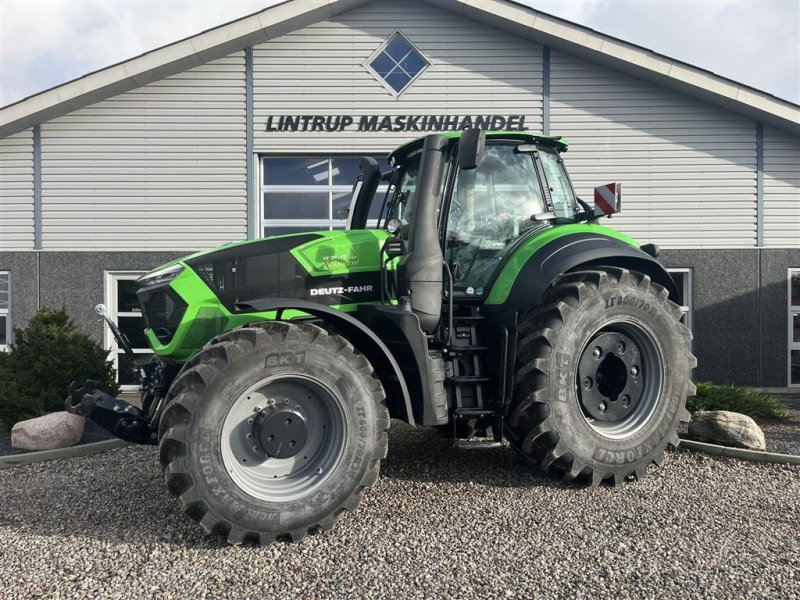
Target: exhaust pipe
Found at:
x=420, y=271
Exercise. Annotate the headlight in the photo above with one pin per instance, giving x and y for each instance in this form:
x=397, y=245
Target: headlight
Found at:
x=160, y=275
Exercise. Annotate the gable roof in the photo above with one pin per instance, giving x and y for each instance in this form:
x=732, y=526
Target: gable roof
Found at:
x=291, y=15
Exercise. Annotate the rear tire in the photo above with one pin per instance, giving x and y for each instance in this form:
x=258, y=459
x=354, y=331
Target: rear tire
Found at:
x=272, y=431
x=603, y=370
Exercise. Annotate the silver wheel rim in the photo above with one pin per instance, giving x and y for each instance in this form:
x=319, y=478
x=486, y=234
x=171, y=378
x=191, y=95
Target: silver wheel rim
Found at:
x=651, y=365
x=284, y=479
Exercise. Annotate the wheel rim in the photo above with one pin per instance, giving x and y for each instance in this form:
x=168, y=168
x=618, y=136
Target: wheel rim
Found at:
x=620, y=379
x=262, y=423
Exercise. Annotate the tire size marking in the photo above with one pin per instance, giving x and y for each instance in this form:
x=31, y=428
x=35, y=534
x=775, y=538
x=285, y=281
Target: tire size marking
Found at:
x=281, y=359
x=631, y=301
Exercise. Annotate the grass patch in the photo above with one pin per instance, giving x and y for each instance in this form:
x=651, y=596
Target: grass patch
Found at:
x=747, y=401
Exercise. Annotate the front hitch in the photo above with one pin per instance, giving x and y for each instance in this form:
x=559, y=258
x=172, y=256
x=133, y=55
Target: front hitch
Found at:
x=122, y=419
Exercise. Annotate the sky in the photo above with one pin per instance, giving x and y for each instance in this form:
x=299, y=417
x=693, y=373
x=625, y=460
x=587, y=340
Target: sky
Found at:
x=46, y=42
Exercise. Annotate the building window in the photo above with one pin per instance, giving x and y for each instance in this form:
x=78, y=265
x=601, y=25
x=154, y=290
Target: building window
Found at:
x=397, y=63
x=794, y=327
x=683, y=281
x=5, y=310
x=307, y=193
x=124, y=310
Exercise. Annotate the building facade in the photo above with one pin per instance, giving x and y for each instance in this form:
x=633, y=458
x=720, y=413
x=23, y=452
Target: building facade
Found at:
x=255, y=128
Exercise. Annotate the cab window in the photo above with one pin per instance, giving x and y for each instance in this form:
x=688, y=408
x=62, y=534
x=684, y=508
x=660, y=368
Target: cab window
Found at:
x=491, y=206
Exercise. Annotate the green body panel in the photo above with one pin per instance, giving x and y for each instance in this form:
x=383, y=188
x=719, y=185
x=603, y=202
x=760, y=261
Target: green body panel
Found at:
x=333, y=253
x=339, y=252
x=510, y=270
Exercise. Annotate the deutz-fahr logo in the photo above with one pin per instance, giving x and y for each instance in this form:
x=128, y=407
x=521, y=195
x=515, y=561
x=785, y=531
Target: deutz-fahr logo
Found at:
x=340, y=291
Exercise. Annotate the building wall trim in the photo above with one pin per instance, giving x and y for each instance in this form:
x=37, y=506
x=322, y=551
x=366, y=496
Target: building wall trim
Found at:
x=37, y=187
x=249, y=133
x=759, y=184
x=546, y=90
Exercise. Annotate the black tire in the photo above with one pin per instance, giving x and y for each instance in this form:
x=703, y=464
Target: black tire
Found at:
x=555, y=420
x=241, y=500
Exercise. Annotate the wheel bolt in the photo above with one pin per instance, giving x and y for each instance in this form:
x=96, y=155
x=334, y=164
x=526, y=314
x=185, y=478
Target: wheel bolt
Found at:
x=587, y=383
x=626, y=401
x=255, y=448
x=286, y=401
x=270, y=438
x=620, y=348
x=319, y=471
x=602, y=408
x=634, y=370
x=257, y=408
x=597, y=352
x=248, y=435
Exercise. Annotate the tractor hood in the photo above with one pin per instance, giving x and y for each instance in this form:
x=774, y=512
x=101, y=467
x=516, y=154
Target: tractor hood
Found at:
x=300, y=265
x=189, y=300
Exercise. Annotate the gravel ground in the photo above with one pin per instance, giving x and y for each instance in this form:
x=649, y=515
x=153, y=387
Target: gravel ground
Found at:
x=441, y=522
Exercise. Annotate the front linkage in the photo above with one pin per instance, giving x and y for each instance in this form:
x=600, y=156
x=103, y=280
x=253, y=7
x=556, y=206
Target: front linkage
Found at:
x=124, y=420
x=121, y=418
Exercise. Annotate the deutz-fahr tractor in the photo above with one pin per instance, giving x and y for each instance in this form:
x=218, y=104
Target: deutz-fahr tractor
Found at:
x=486, y=301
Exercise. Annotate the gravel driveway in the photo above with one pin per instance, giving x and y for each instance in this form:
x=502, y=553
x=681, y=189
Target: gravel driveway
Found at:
x=440, y=523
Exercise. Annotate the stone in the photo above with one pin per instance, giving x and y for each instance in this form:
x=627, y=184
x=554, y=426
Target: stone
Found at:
x=726, y=428
x=56, y=430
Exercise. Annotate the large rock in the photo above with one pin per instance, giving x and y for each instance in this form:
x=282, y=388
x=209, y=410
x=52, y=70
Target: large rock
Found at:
x=56, y=430
x=726, y=428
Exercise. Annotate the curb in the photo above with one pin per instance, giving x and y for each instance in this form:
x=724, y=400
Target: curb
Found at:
x=28, y=458
x=741, y=453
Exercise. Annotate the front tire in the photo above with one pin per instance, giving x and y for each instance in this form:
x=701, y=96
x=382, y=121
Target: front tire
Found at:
x=602, y=374
x=272, y=431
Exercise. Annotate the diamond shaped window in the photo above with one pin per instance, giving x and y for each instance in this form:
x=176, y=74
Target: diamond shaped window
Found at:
x=397, y=63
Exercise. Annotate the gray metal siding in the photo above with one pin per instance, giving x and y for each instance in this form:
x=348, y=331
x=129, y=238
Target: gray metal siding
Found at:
x=16, y=191
x=318, y=70
x=161, y=167
x=781, y=188
x=688, y=169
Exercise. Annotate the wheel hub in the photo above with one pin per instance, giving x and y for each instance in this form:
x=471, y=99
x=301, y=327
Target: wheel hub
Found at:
x=280, y=432
x=610, y=377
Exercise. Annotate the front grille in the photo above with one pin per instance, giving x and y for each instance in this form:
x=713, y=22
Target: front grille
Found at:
x=162, y=309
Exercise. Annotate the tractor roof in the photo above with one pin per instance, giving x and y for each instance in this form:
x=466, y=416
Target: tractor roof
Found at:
x=554, y=141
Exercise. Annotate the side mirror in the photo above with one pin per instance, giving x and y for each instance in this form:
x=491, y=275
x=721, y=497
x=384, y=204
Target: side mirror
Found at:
x=470, y=148
x=607, y=199
x=101, y=310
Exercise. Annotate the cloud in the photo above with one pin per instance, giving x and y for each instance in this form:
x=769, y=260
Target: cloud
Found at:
x=45, y=43
x=755, y=43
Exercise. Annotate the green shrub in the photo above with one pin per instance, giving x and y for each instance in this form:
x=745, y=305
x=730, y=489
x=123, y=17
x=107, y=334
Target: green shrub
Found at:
x=757, y=405
x=45, y=357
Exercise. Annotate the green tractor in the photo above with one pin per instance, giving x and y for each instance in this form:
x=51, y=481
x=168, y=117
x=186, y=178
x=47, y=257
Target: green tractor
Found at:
x=487, y=301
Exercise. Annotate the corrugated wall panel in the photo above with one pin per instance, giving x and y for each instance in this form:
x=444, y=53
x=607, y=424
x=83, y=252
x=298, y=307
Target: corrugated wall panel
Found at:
x=161, y=167
x=319, y=70
x=781, y=188
x=16, y=191
x=688, y=169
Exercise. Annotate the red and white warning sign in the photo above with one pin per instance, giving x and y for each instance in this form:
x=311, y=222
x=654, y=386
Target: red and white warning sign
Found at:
x=608, y=199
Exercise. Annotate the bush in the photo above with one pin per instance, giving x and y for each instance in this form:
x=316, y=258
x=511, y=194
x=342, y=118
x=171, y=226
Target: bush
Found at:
x=757, y=405
x=45, y=357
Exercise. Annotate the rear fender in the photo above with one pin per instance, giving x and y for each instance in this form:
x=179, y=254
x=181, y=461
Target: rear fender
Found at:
x=576, y=252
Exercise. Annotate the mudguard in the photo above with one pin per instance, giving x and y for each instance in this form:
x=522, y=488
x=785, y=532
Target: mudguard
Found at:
x=580, y=250
x=364, y=340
